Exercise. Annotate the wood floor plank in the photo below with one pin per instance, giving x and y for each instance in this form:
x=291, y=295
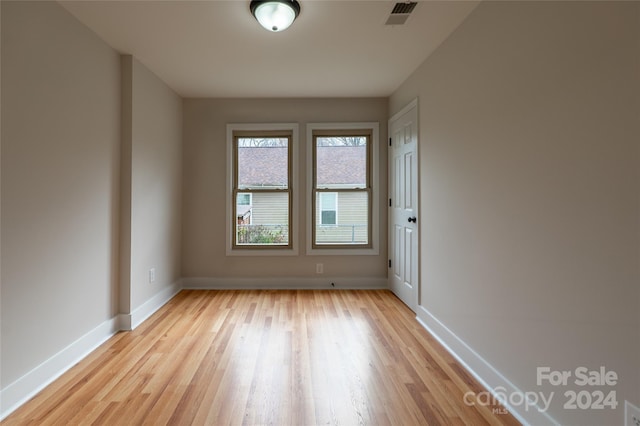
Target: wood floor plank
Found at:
x=267, y=357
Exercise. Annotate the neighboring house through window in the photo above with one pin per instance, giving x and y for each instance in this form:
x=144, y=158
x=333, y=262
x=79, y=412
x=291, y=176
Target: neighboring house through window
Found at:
x=243, y=208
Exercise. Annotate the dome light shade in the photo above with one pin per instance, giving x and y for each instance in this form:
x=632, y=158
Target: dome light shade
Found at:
x=275, y=15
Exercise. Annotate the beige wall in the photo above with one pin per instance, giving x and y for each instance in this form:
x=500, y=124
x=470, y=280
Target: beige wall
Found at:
x=529, y=156
x=60, y=156
x=156, y=179
x=205, y=171
x=67, y=103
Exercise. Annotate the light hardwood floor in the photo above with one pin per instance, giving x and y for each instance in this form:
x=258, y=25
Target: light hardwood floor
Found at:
x=267, y=357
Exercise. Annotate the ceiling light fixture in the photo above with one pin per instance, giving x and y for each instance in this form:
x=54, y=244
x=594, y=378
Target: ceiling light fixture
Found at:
x=275, y=15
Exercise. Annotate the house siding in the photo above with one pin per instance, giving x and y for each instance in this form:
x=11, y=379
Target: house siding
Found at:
x=351, y=220
x=269, y=208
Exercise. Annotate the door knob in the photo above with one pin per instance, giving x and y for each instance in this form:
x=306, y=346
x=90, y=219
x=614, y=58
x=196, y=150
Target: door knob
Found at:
x=412, y=219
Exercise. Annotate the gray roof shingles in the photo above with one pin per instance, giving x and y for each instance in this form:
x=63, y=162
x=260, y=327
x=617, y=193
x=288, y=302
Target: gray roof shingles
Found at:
x=267, y=166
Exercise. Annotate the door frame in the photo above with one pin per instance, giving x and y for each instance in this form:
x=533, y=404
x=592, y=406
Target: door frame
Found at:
x=417, y=293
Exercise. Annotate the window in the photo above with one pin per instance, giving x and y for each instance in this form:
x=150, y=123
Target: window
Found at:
x=328, y=208
x=342, y=196
x=244, y=199
x=261, y=176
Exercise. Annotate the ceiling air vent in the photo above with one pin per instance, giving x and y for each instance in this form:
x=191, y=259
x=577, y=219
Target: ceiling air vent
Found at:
x=400, y=13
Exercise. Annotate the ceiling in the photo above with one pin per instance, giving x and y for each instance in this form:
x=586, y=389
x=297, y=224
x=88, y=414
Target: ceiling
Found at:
x=215, y=48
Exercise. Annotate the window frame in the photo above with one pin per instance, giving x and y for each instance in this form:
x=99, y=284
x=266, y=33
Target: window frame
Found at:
x=289, y=130
x=372, y=187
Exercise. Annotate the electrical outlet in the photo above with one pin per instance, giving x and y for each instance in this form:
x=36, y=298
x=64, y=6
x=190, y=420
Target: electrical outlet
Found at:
x=152, y=275
x=631, y=414
x=319, y=268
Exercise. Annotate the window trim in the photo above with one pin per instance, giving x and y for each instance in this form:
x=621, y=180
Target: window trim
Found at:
x=374, y=190
x=277, y=250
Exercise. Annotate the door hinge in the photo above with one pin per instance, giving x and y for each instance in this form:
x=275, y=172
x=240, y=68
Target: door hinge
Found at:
x=389, y=202
x=389, y=141
x=389, y=263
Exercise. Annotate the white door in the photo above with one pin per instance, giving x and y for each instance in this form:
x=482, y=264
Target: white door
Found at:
x=403, y=205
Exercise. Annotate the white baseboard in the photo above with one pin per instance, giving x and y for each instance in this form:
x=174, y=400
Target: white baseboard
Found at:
x=130, y=321
x=27, y=386
x=479, y=368
x=284, y=283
